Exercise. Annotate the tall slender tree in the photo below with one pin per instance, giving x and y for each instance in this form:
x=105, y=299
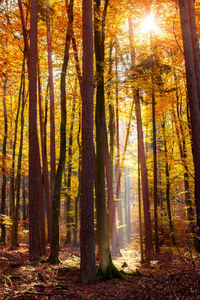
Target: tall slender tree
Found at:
x=69, y=167
x=52, y=114
x=34, y=156
x=144, y=179
x=55, y=241
x=3, y=188
x=107, y=270
x=167, y=176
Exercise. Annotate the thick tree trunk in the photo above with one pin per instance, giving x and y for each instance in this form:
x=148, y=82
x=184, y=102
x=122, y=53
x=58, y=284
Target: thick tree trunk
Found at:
x=88, y=269
x=192, y=89
x=195, y=43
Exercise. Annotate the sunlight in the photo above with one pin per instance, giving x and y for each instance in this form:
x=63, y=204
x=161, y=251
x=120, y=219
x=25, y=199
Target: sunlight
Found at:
x=148, y=25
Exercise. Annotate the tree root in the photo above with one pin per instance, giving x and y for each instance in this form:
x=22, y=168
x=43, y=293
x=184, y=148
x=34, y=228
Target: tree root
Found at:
x=110, y=273
x=54, y=260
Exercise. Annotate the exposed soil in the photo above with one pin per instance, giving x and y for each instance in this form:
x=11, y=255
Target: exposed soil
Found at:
x=171, y=276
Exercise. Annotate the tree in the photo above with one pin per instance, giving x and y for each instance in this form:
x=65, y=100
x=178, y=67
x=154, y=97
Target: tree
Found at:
x=55, y=241
x=192, y=90
x=35, y=195
x=52, y=117
x=15, y=216
x=107, y=270
x=3, y=188
x=167, y=174
x=195, y=43
x=144, y=179
x=88, y=269
x=69, y=168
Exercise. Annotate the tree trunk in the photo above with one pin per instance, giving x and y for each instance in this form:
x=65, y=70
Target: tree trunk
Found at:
x=45, y=176
x=144, y=179
x=155, y=180
x=24, y=201
x=106, y=268
x=34, y=157
x=145, y=192
x=54, y=259
x=139, y=205
x=119, y=172
x=127, y=204
x=171, y=227
x=88, y=270
x=195, y=43
x=12, y=176
x=69, y=175
x=3, y=188
x=109, y=166
x=191, y=80
x=77, y=200
x=18, y=178
x=52, y=117
x=117, y=165
x=114, y=236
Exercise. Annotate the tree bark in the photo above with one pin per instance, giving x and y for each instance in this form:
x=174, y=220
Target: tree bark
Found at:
x=192, y=89
x=155, y=177
x=88, y=269
x=69, y=167
x=12, y=176
x=45, y=176
x=171, y=226
x=106, y=268
x=144, y=179
x=3, y=188
x=195, y=43
x=52, y=114
x=54, y=259
x=77, y=200
x=34, y=157
x=18, y=177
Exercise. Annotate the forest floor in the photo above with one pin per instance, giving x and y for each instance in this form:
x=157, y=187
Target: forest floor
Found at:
x=174, y=274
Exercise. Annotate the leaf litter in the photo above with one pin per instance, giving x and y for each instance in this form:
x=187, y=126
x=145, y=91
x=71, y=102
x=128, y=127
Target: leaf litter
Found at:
x=168, y=277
